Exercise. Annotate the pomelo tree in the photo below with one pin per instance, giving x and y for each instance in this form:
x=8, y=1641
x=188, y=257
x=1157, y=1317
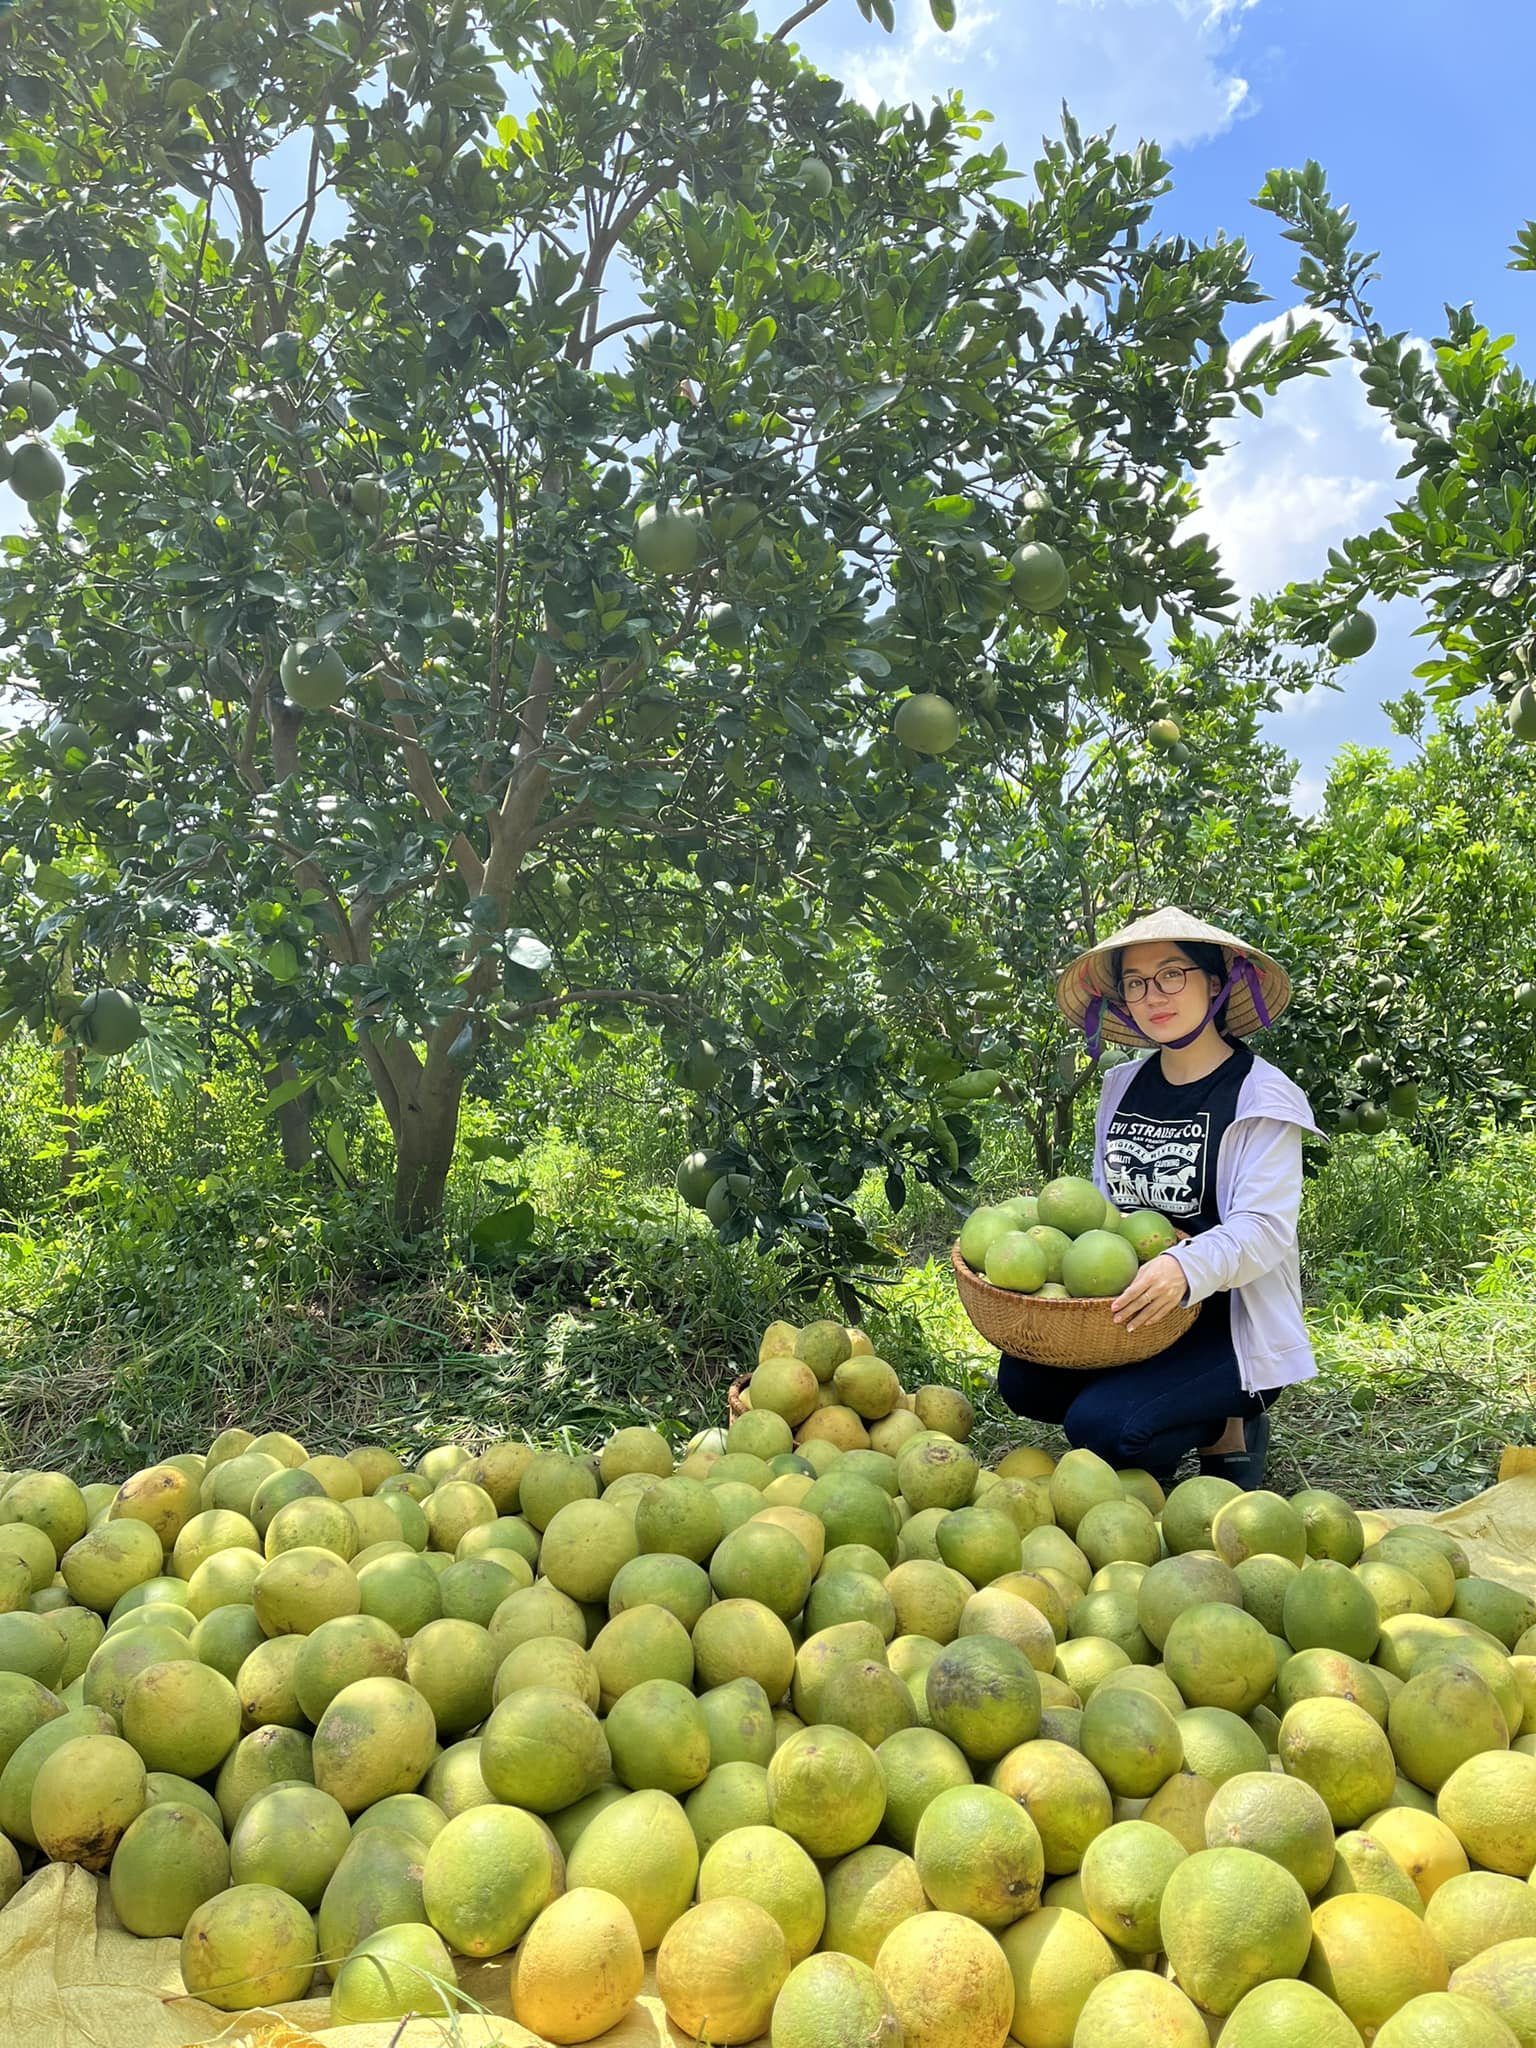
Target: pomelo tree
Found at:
x=1409, y=905
x=1462, y=541
x=494, y=475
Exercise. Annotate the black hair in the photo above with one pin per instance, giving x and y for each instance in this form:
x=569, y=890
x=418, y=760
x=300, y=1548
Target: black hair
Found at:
x=1205, y=957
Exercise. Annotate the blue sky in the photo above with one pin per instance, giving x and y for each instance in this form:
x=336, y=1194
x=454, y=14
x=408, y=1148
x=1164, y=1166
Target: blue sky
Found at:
x=1418, y=112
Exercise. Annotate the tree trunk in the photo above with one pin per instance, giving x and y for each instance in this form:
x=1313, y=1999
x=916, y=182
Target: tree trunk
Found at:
x=292, y=1118
x=425, y=1136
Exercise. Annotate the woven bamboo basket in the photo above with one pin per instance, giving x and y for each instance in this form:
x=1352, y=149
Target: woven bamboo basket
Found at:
x=1079, y=1335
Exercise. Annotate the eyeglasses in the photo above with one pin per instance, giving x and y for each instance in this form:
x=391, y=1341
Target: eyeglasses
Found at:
x=1167, y=981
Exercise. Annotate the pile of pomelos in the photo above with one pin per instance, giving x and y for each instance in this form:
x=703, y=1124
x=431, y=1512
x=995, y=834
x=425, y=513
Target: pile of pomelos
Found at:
x=1068, y=1243
x=864, y=1744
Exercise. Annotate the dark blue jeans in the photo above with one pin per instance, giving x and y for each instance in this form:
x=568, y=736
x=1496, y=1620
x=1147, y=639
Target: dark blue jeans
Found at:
x=1145, y=1415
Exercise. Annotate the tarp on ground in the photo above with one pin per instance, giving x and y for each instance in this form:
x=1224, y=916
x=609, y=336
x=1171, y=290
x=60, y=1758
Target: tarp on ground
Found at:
x=70, y=1977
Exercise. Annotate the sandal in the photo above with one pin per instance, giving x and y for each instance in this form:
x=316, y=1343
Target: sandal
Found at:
x=1244, y=1468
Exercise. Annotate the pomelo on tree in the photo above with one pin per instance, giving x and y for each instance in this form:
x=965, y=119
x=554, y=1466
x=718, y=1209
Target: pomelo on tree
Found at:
x=1520, y=713
x=666, y=540
x=1040, y=576
x=1354, y=635
x=814, y=178
x=30, y=395
x=108, y=1021
x=36, y=472
x=927, y=723
x=313, y=675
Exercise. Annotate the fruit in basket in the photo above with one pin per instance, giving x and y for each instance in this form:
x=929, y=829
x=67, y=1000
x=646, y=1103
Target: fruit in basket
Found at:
x=980, y=1232
x=1147, y=1233
x=1016, y=1260
x=1098, y=1265
x=1055, y=1244
x=1071, y=1204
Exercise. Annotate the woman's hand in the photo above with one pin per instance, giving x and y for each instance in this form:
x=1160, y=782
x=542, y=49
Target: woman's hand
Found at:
x=1159, y=1286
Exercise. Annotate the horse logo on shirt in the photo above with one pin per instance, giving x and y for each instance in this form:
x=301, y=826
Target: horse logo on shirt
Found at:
x=1152, y=1163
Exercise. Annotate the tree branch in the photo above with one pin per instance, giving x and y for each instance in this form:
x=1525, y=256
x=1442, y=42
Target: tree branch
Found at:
x=787, y=29
x=548, y=1005
x=301, y=240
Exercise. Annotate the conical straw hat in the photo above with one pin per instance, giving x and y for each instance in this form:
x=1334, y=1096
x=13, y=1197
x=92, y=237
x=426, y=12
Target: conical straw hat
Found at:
x=1089, y=975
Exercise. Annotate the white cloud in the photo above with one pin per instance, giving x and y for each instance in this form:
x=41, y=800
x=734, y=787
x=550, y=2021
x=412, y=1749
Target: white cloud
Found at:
x=1319, y=464
x=1163, y=69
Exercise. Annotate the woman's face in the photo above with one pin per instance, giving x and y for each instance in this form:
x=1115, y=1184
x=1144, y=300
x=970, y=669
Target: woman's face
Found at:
x=1161, y=1015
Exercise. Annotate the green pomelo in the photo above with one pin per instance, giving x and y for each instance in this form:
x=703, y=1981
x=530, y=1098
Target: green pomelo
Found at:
x=639, y=1644
x=642, y=1850
x=1220, y=1656
x=832, y=2001
x=1442, y=1716
x=1266, y=1580
x=1477, y=1910
x=376, y=1884
x=543, y=1749
x=396, y=1973
x=826, y=1790
x=978, y=1233
x=759, y=1863
x=739, y=1718
x=1124, y=1874
x=375, y=1738
x=1333, y=1528
x=291, y=1837
x=1284, y=2013
x=869, y=1894
x=1016, y=1262
x=1337, y=1748
x=765, y=1564
x=1064, y=1796
x=487, y=1877
x=732, y=1796
x=181, y=1717
x=743, y=1639
x=168, y=1863
x=1098, y=1266
x=1218, y=1744
x=1232, y=1920
x=85, y=1796
x=1327, y=1608
x=248, y=1947
x=1115, y=1531
x=1313, y=1673
x=1361, y=1864
x=1191, y=1509
x=1174, y=1583
x=978, y=1853
x=258, y=1761
x=1278, y=1817
x=935, y=1473
x=1132, y=1741
x=1258, y=1523
x=979, y=1543
x=1071, y=1204
x=658, y=1738
x=1055, y=1244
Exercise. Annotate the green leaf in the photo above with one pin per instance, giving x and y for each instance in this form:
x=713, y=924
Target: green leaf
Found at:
x=943, y=12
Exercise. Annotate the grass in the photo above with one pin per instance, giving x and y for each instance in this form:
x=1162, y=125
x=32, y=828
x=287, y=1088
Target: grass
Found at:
x=175, y=1297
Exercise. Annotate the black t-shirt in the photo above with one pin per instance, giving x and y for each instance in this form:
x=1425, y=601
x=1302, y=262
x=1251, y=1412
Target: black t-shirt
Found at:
x=1161, y=1147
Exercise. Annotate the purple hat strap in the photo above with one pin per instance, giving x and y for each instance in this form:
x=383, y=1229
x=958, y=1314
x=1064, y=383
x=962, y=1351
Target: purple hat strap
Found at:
x=1242, y=970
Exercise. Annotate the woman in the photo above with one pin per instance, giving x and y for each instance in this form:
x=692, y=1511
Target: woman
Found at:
x=1209, y=1135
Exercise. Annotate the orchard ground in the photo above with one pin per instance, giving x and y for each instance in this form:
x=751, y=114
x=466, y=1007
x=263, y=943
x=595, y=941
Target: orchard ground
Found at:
x=175, y=1291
